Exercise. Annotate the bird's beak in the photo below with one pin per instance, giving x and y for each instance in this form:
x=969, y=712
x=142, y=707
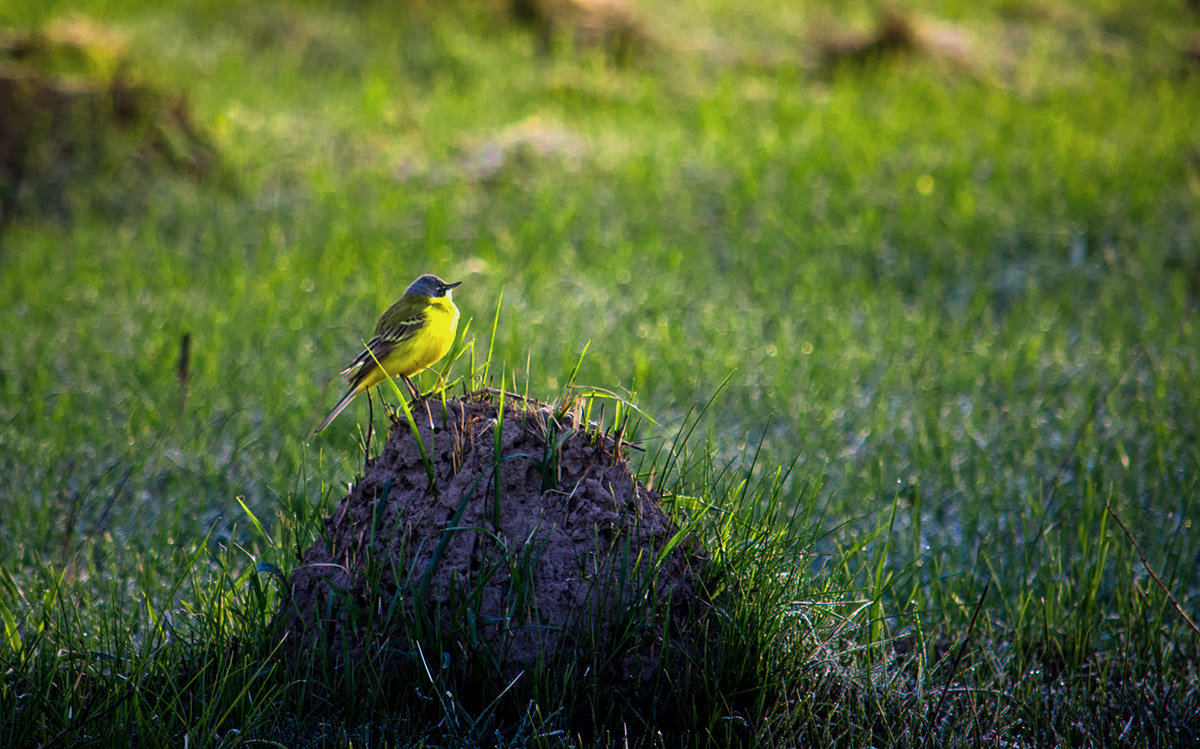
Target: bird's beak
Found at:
x=452, y=285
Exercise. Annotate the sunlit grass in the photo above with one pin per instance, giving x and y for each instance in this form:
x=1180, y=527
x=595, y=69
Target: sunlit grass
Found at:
x=960, y=300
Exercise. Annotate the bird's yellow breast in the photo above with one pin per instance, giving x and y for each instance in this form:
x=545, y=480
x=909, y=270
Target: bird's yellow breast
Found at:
x=441, y=320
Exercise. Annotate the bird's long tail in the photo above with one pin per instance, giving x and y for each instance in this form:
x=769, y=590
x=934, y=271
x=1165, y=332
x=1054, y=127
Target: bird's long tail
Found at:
x=345, y=401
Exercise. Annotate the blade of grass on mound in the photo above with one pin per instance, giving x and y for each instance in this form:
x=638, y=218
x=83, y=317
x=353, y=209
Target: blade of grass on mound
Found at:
x=440, y=549
x=549, y=464
x=487, y=364
x=620, y=401
x=412, y=425
x=581, y=404
x=458, y=349
x=497, y=446
x=575, y=370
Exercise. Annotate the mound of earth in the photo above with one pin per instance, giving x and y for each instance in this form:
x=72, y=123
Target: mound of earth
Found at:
x=546, y=550
x=74, y=120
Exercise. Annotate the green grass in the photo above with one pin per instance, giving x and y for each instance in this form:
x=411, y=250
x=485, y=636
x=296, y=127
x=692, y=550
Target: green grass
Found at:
x=959, y=301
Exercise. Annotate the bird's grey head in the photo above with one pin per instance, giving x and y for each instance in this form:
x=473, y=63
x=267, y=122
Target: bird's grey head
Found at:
x=430, y=285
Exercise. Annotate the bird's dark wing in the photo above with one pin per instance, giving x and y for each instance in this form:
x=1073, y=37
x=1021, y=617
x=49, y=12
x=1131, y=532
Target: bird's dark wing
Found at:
x=381, y=344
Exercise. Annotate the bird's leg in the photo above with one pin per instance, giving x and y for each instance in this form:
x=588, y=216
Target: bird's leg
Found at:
x=370, y=428
x=416, y=394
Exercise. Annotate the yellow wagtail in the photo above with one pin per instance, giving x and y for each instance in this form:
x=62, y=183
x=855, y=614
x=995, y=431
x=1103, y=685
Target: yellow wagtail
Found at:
x=411, y=335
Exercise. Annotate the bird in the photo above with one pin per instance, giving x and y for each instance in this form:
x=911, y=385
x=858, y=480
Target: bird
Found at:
x=410, y=336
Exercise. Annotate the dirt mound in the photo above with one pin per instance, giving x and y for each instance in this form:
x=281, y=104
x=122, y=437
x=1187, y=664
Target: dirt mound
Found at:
x=613, y=26
x=897, y=34
x=72, y=114
x=532, y=544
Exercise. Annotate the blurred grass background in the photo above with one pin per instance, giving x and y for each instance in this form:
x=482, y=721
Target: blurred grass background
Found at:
x=957, y=280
